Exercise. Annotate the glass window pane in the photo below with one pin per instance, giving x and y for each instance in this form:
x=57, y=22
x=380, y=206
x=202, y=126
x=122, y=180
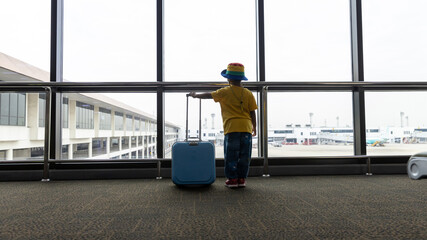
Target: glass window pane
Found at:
x=394, y=39
x=65, y=113
x=129, y=123
x=42, y=109
x=22, y=154
x=21, y=109
x=133, y=141
x=13, y=111
x=104, y=119
x=84, y=115
x=37, y=153
x=137, y=123
x=211, y=121
x=398, y=126
x=125, y=142
x=81, y=150
x=114, y=41
x=202, y=37
x=307, y=40
x=118, y=121
x=2, y=155
x=25, y=40
x=114, y=144
x=65, y=151
x=4, y=108
x=99, y=146
x=310, y=124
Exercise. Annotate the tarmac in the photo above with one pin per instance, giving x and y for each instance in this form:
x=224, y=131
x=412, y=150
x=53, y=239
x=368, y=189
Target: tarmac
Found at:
x=334, y=150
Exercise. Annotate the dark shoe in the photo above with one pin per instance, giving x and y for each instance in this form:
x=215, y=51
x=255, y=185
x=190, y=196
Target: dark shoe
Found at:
x=241, y=182
x=231, y=183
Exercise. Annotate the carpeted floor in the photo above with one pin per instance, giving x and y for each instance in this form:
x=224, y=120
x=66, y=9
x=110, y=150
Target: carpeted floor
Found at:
x=303, y=207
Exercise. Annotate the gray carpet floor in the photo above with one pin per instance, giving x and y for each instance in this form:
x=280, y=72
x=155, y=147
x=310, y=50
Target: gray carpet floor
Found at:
x=303, y=207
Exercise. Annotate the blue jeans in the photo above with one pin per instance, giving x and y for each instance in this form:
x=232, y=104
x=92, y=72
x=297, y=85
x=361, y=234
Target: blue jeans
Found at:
x=237, y=154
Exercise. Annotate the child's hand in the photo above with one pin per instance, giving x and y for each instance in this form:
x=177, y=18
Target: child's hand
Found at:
x=253, y=132
x=193, y=94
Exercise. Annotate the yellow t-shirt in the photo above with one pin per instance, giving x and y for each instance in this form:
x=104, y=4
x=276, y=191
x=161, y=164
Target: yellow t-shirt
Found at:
x=236, y=105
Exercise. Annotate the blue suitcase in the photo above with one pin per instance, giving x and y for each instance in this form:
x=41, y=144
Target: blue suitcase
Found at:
x=193, y=161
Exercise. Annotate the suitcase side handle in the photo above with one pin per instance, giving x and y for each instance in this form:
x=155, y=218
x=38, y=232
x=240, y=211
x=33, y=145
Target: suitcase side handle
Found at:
x=200, y=119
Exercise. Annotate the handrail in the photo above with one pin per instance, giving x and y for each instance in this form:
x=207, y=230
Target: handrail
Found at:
x=265, y=172
x=153, y=160
x=46, y=154
x=187, y=86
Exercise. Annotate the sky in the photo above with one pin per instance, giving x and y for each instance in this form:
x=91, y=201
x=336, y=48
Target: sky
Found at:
x=306, y=40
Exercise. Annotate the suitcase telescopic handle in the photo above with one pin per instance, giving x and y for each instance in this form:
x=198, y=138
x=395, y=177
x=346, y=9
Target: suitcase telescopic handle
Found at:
x=200, y=120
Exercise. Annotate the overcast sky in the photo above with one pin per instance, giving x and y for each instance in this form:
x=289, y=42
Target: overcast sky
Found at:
x=306, y=40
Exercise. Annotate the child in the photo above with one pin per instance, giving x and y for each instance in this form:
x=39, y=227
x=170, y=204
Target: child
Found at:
x=238, y=107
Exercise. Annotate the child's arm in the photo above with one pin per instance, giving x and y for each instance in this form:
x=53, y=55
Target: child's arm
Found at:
x=253, y=118
x=206, y=95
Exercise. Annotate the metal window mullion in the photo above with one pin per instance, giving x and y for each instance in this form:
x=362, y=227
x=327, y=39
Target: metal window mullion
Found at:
x=260, y=39
x=53, y=131
x=160, y=90
x=359, y=119
x=262, y=91
x=260, y=60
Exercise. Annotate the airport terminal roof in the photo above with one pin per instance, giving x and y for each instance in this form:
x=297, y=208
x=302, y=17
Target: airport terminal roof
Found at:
x=12, y=69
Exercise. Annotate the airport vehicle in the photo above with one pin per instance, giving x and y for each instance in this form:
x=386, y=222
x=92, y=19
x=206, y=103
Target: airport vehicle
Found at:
x=376, y=142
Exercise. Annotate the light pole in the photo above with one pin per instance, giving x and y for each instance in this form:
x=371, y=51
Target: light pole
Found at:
x=311, y=119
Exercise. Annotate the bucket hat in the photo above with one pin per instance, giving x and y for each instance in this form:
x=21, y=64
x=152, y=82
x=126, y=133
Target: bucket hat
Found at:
x=234, y=71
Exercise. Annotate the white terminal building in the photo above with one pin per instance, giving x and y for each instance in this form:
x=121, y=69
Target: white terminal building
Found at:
x=93, y=125
x=307, y=135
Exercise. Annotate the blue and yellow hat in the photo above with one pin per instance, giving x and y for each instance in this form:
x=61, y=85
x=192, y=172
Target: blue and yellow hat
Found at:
x=234, y=71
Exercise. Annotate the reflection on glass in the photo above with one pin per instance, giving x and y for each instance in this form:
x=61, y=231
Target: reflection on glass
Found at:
x=394, y=37
x=307, y=40
x=310, y=124
x=114, y=41
x=110, y=126
x=207, y=35
x=396, y=123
